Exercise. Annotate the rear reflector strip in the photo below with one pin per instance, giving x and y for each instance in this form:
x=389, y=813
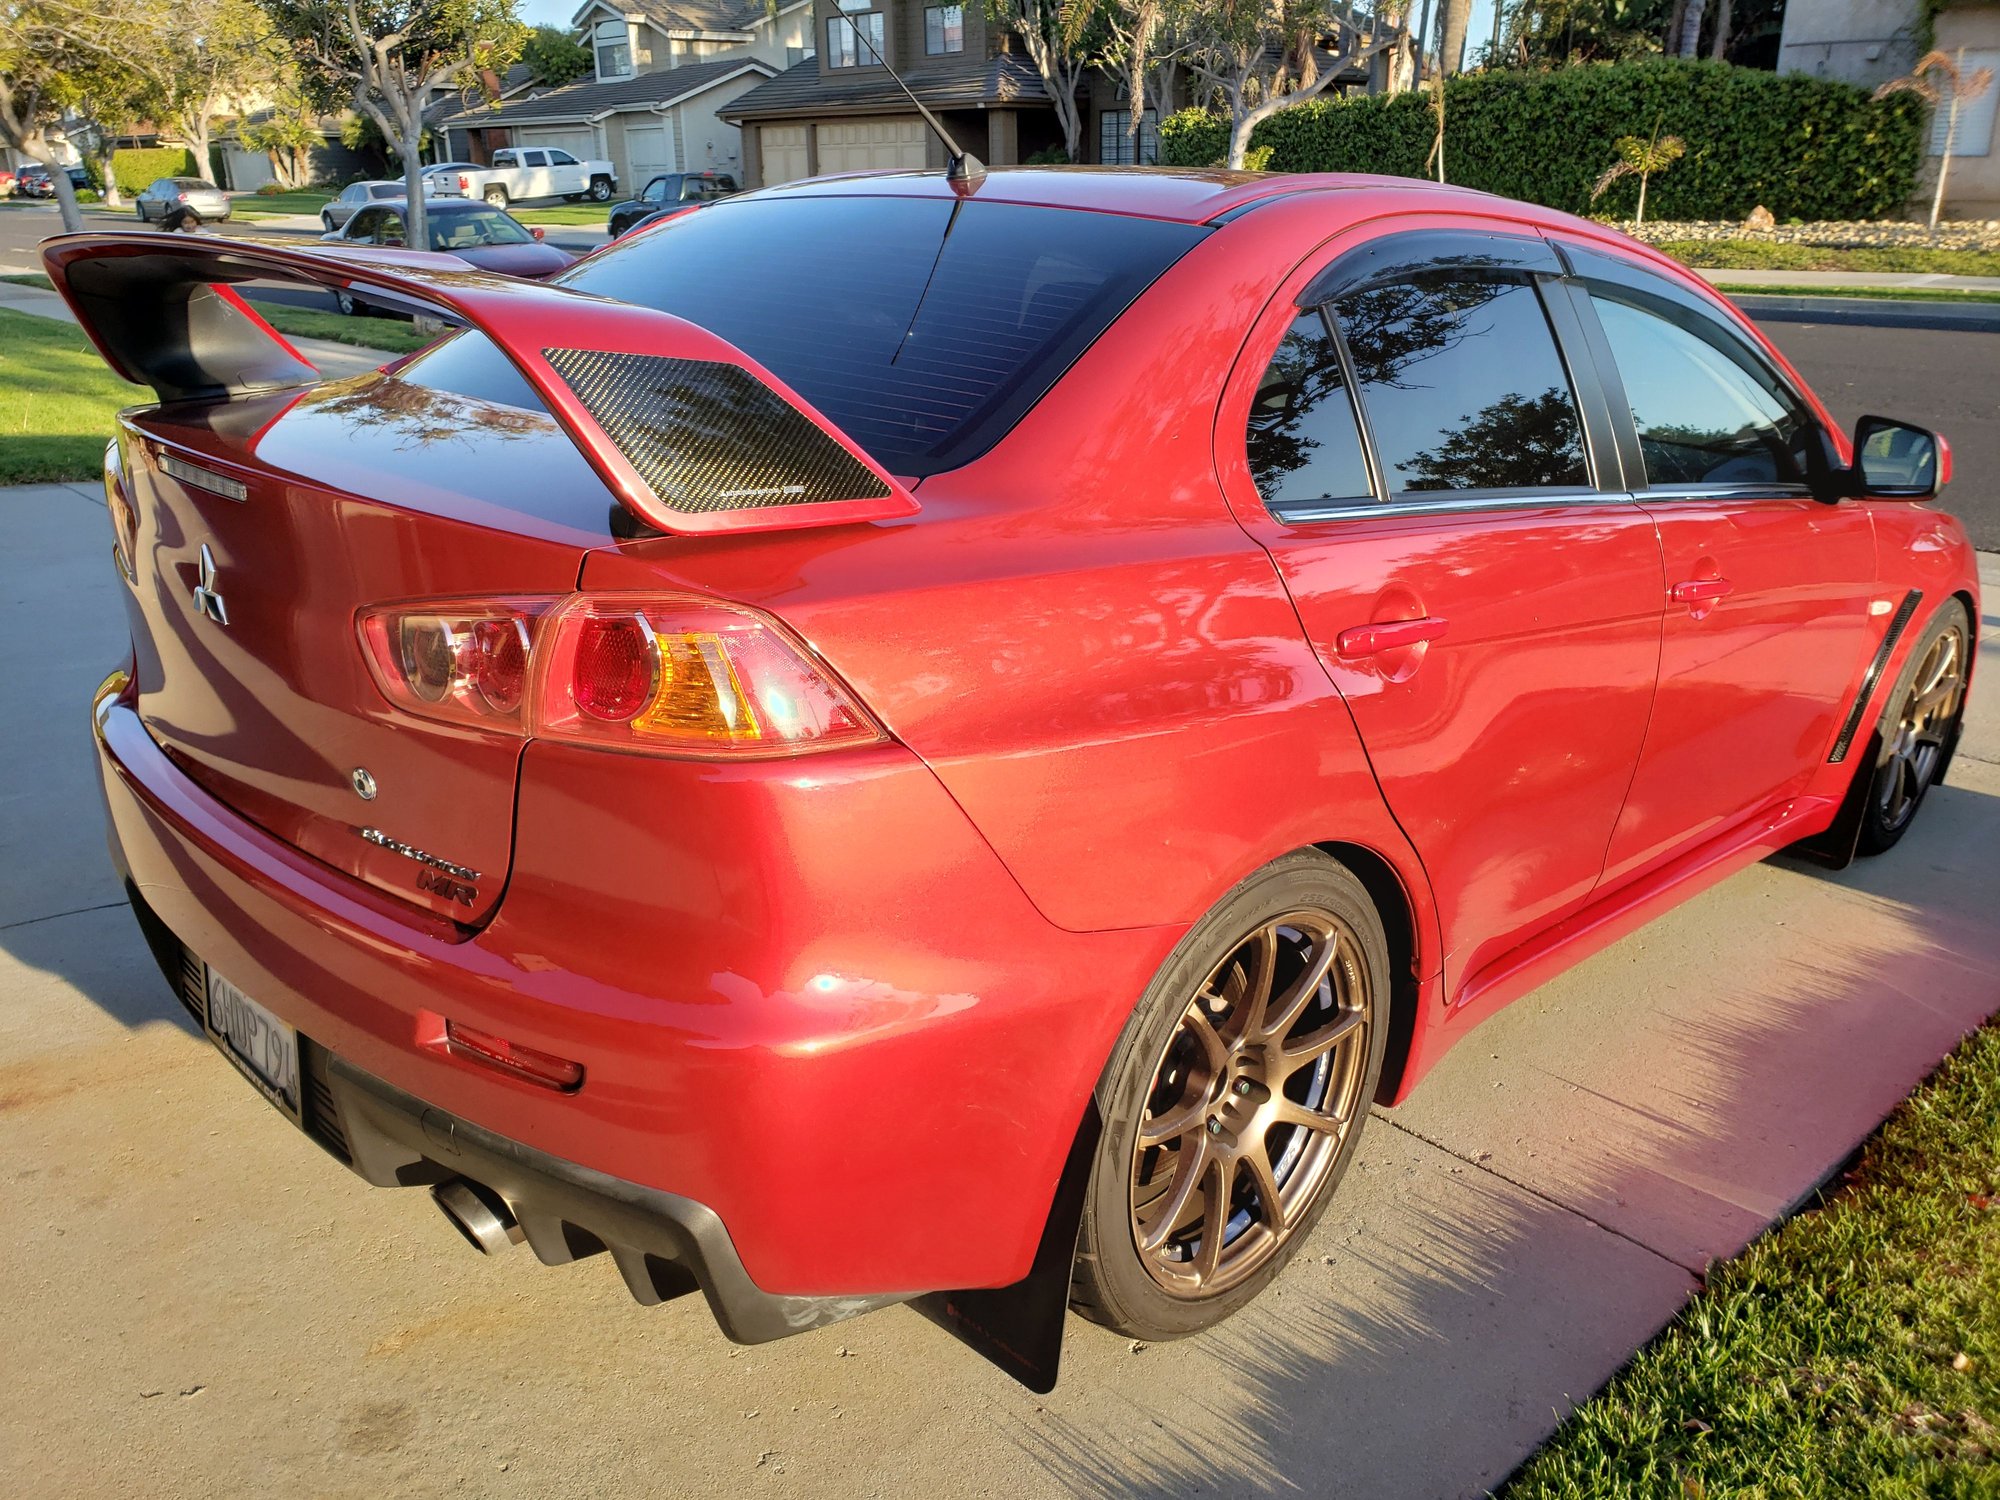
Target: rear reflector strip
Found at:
x=709, y=437
x=201, y=479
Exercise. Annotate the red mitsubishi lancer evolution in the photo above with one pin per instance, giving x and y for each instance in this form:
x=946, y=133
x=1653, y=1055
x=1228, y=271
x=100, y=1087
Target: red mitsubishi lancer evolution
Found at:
x=906, y=740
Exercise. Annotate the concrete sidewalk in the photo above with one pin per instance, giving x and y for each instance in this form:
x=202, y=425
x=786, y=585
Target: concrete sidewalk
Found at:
x=334, y=361
x=203, y=1303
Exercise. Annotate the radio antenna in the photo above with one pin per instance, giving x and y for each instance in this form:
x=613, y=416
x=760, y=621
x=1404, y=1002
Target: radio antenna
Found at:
x=963, y=170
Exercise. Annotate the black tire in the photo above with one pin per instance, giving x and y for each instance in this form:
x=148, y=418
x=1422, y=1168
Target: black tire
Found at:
x=1916, y=739
x=600, y=189
x=496, y=196
x=1111, y=1283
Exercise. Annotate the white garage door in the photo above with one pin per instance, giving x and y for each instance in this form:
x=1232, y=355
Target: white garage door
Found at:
x=784, y=149
x=581, y=144
x=650, y=150
x=859, y=145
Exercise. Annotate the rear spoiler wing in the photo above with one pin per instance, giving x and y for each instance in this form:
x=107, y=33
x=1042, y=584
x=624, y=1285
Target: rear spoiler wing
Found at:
x=691, y=434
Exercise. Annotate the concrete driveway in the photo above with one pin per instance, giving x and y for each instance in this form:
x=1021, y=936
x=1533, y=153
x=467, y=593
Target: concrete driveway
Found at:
x=201, y=1303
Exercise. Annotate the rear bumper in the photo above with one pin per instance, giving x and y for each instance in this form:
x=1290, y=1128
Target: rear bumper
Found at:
x=810, y=1005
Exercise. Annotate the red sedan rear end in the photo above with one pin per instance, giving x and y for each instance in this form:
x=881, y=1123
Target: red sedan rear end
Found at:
x=889, y=741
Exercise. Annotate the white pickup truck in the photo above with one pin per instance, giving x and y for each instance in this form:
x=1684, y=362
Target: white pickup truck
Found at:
x=520, y=172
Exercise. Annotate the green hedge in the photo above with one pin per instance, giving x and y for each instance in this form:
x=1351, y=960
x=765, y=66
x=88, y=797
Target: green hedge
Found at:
x=137, y=170
x=1804, y=147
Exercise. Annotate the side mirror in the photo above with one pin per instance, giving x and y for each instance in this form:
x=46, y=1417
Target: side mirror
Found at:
x=538, y=232
x=1895, y=461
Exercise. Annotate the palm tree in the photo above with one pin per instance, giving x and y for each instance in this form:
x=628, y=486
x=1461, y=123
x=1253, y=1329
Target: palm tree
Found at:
x=1958, y=87
x=1647, y=158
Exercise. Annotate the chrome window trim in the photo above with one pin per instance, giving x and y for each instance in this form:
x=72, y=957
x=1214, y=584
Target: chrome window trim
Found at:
x=1697, y=492
x=1309, y=513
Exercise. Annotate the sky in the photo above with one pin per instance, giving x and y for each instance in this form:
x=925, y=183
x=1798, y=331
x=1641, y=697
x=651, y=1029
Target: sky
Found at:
x=558, y=12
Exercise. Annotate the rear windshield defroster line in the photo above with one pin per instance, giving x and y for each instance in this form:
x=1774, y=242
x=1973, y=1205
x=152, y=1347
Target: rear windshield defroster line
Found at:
x=923, y=328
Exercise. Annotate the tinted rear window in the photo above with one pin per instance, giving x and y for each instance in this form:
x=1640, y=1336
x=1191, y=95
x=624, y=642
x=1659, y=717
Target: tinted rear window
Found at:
x=922, y=328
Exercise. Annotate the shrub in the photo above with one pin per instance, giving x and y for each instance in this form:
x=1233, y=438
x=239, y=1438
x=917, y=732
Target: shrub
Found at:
x=269, y=190
x=137, y=169
x=1805, y=147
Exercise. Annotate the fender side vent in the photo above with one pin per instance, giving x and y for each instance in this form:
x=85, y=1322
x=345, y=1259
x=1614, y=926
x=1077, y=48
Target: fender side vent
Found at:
x=1898, y=623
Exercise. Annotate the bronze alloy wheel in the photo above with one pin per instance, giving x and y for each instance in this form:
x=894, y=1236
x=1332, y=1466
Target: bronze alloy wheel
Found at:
x=1258, y=1085
x=1917, y=736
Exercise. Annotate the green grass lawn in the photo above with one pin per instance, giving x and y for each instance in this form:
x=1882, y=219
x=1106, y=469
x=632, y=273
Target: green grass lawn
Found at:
x=389, y=334
x=593, y=215
x=255, y=206
x=1761, y=255
x=31, y=278
x=57, y=401
x=1854, y=1351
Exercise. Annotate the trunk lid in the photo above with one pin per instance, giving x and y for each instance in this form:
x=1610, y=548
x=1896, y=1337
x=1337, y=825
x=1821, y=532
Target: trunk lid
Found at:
x=351, y=495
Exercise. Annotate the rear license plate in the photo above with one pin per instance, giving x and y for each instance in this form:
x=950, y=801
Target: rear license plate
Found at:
x=263, y=1048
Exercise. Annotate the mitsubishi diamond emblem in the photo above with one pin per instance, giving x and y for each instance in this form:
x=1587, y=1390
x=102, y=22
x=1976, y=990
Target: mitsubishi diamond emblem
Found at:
x=206, y=600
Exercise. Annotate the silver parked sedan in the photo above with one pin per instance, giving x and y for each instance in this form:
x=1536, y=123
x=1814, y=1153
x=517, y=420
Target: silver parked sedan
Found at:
x=355, y=197
x=182, y=203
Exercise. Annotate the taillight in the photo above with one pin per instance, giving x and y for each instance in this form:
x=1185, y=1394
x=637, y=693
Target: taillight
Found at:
x=667, y=674
x=463, y=185
x=464, y=661
x=180, y=197
x=124, y=516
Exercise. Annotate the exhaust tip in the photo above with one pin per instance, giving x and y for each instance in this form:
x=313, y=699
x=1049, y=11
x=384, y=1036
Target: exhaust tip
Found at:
x=478, y=1213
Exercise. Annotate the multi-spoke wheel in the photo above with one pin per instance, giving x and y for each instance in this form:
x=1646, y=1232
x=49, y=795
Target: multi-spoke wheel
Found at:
x=1234, y=1100
x=1918, y=728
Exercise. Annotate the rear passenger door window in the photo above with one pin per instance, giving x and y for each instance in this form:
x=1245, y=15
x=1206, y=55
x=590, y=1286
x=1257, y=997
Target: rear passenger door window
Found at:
x=1706, y=416
x=1462, y=385
x=1304, y=443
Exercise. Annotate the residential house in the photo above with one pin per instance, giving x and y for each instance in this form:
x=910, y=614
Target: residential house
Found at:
x=662, y=73
x=1871, y=41
x=841, y=111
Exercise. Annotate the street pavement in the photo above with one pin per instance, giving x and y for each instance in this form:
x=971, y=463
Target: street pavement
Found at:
x=202, y=1303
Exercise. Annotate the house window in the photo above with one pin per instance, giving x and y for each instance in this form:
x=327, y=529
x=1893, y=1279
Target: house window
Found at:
x=614, y=49
x=944, y=29
x=845, y=50
x=1114, y=138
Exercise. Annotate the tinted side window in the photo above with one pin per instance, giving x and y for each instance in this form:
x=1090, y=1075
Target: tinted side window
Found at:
x=1704, y=414
x=1303, y=441
x=1462, y=384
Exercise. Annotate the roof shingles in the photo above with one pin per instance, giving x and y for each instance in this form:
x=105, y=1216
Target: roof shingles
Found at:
x=587, y=100
x=961, y=82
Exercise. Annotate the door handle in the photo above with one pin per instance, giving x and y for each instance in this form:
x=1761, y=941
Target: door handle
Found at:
x=1698, y=590
x=1361, y=641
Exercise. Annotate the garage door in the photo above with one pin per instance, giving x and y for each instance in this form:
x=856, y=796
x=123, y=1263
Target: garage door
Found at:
x=581, y=144
x=858, y=145
x=784, y=149
x=650, y=150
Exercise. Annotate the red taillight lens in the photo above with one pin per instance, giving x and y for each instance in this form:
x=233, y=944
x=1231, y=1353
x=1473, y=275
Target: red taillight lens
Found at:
x=616, y=670
x=682, y=675
x=180, y=197
x=526, y=1063
x=667, y=674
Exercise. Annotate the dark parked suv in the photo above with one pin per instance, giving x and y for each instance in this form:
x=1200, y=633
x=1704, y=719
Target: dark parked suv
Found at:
x=670, y=190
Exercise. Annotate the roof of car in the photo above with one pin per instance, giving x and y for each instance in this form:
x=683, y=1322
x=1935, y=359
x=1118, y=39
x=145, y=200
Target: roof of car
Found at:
x=436, y=206
x=1189, y=195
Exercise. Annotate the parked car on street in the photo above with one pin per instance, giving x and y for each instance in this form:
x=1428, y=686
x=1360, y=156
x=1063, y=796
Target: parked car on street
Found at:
x=846, y=799
x=442, y=179
x=181, y=203
x=670, y=190
x=34, y=181
x=524, y=172
x=354, y=197
x=469, y=230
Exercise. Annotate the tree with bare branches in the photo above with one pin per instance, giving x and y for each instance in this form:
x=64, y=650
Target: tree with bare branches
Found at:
x=388, y=59
x=1942, y=82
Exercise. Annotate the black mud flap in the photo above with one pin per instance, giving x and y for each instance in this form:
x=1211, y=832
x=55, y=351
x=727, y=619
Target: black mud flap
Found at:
x=1835, y=847
x=1020, y=1327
